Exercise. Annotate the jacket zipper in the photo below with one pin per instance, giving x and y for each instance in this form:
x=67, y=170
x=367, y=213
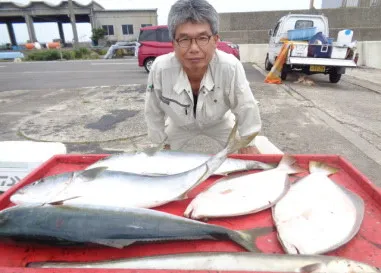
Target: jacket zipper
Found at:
x=168, y=100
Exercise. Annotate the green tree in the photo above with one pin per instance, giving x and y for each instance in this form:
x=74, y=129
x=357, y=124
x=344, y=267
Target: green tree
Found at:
x=98, y=33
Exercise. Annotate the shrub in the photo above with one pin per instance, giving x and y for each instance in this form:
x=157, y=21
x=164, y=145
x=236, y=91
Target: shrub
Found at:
x=68, y=55
x=44, y=55
x=81, y=52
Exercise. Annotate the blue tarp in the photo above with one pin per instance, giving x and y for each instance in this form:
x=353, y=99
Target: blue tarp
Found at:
x=11, y=55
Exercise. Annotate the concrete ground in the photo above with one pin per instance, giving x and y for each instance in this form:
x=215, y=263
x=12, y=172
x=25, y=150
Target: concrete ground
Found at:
x=324, y=118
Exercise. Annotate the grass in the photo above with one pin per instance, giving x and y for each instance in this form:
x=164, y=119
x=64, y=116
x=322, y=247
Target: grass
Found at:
x=82, y=53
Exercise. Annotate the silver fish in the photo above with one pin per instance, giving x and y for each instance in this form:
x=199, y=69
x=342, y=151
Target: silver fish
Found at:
x=227, y=261
x=100, y=187
x=110, y=227
x=242, y=194
x=317, y=215
x=172, y=162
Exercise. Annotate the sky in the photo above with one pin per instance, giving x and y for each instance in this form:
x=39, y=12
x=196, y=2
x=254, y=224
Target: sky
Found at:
x=45, y=32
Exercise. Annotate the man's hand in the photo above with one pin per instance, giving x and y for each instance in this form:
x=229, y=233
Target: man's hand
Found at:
x=248, y=150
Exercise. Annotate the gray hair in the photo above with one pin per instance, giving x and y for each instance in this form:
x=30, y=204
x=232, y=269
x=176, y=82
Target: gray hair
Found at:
x=195, y=11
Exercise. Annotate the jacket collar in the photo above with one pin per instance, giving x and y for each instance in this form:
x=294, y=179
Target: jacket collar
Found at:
x=183, y=83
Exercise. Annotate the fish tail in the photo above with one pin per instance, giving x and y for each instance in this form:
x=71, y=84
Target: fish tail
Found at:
x=289, y=165
x=252, y=164
x=321, y=167
x=235, y=143
x=247, y=238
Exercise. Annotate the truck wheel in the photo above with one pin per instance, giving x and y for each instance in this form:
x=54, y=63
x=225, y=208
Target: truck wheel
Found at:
x=148, y=63
x=334, y=77
x=283, y=73
x=268, y=65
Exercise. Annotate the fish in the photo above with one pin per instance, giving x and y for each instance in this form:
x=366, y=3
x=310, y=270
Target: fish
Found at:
x=168, y=162
x=226, y=261
x=101, y=187
x=317, y=215
x=244, y=193
x=117, y=228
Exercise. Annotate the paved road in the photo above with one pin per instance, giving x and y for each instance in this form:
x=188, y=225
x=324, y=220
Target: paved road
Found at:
x=74, y=74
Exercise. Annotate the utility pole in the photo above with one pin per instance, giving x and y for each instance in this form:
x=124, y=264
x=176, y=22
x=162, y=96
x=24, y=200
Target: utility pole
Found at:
x=73, y=23
x=311, y=4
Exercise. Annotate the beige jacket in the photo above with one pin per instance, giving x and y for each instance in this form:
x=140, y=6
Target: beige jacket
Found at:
x=224, y=90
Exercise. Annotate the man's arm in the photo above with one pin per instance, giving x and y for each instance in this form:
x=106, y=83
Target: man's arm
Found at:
x=154, y=115
x=245, y=108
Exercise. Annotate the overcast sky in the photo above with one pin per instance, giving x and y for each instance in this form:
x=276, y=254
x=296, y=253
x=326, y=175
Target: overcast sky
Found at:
x=47, y=31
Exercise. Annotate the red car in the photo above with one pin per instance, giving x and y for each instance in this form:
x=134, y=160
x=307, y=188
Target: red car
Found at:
x=155, y=41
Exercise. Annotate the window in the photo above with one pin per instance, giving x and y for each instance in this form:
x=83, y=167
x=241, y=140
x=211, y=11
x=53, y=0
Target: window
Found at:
x=127, y=29
x=146, y=25
x=109, y=29
x=147, y=35
x=163, y=35
x=303, y=24
x=276, y=29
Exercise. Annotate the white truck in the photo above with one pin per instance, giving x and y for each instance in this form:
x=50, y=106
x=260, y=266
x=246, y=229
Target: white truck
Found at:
x=335, y=57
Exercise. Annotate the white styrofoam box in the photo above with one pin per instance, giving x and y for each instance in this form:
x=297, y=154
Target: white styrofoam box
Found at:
x=265, y=146
x=300, y=50
x=339, y=52
x=19, y=158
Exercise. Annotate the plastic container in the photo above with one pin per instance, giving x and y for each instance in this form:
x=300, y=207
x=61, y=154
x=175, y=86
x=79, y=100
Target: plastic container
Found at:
x=29, y=46
x=320, y=46
x=14, y=256
x=301, y=34
x=345, y=36
x=53, y=45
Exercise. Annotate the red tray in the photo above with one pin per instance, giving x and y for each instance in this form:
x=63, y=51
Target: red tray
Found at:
x=364, y=247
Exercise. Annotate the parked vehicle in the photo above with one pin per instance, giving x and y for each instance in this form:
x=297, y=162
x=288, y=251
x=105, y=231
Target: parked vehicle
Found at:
x=313, y=51
x=155, y=41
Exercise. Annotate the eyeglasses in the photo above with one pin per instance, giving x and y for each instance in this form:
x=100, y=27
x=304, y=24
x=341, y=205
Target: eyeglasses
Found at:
x=187, y=42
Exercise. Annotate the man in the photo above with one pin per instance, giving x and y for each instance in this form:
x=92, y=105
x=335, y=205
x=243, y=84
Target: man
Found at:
x=201, y=89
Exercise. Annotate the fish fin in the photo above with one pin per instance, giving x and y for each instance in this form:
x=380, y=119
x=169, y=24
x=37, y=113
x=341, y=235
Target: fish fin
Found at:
x=247, y=238
x=91, y=174
x=183, y=196
x=289, y=165
x=61, y=202
x=321, y=167
x=151, y=150
x=116, y=243
x=36, y=264
x=311, y=268
x=257, y=165
x=189, y=210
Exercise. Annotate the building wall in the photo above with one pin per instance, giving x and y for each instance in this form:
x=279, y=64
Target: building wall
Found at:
x=253, y=27
x=119, y=18
x=331, y=4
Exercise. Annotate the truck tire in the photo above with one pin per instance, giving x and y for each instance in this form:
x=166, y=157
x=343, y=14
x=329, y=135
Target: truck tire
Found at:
x=268, y=65
x=283, y=73
x=334, y=77
x=148, y=63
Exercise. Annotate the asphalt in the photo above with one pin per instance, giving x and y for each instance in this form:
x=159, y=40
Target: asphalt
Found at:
x=105, y=118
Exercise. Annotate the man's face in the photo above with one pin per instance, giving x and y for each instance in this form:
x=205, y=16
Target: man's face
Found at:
x=194, y=54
